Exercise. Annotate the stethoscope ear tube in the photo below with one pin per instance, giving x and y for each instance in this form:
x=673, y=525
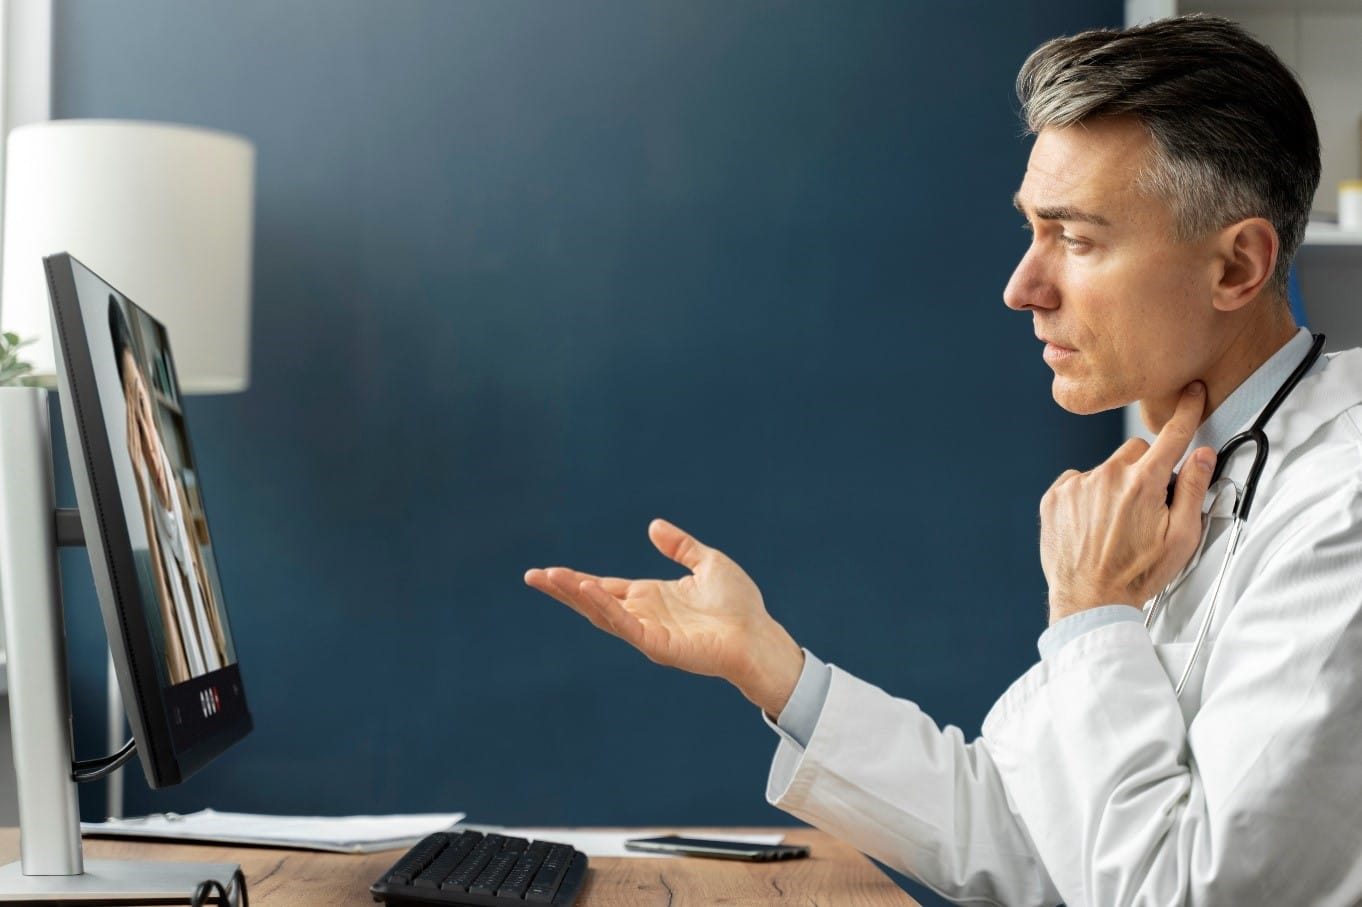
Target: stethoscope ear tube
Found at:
x=1250, y=486
x=1256, y=434
x=1243, y=502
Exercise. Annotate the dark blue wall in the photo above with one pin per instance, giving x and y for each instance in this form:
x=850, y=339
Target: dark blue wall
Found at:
x=531, y=273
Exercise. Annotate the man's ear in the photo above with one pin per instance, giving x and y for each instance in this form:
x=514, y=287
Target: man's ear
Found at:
x=1246, y=252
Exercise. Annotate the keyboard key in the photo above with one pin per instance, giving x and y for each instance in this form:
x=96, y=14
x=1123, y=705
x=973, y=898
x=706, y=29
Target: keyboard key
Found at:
x=518, y=881
x=443, y=865
x=418, y=858
x=490, y=879
x=549, y=876
x=473, y=864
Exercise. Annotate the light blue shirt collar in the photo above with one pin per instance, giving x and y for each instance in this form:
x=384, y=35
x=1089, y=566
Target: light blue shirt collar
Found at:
x=1248, y=399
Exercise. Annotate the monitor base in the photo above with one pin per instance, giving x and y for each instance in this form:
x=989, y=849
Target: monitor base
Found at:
x=115, y=882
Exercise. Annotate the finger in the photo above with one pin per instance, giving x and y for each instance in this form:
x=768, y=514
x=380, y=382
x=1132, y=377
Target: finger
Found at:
x=537, y=578
x=1130, y=451
x=556, y=581
x=561, y=584
x=1064, y=476
x=615, y=585
x=540, y=580
x=1184, y=519
x=1177, y=432
x=571, y=580
x=608, y=608
x=677, y=544
x=568, y=583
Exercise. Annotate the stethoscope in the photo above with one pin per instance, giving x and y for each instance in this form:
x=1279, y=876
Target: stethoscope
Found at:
x=1243, y=500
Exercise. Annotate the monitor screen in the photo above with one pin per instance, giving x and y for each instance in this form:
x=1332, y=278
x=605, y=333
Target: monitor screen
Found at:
x=146, y=526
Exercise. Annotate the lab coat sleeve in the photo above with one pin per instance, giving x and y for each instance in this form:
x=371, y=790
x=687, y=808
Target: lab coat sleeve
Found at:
x=880, y=774
x=1256, y=801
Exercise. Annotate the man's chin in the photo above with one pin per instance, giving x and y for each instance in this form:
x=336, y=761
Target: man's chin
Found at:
x=1081, y=401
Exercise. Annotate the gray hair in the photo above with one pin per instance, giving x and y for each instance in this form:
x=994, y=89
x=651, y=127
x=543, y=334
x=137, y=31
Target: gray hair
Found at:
x=1233, y=133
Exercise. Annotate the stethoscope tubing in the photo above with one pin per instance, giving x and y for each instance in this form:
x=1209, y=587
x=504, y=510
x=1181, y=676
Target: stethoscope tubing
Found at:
x=1243, y=502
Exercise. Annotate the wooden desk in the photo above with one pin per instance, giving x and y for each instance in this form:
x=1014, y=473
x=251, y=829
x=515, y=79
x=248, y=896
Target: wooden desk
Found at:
x=834, y=874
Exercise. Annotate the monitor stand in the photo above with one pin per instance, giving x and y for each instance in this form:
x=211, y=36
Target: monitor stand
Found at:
x=51, y=866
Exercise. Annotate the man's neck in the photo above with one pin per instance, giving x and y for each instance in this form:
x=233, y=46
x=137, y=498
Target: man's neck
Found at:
x=1242, y=356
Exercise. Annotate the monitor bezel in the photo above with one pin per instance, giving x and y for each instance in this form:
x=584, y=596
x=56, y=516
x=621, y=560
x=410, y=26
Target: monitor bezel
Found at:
x=109, y=544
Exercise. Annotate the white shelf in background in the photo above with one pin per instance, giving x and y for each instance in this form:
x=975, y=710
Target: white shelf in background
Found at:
x=1322, y=234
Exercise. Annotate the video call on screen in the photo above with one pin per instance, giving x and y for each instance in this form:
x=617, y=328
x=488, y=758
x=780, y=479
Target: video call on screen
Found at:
x=178, y=577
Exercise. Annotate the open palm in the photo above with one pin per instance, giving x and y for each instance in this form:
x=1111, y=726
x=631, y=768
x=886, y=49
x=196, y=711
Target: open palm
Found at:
x=712, y=621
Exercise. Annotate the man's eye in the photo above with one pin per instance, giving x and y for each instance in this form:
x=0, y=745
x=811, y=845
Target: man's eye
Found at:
x=1073, y=242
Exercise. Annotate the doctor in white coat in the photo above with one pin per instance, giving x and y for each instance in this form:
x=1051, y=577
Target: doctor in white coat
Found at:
x=1167, y=191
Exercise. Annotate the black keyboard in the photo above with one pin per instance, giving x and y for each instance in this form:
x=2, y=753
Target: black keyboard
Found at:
x=478, y=870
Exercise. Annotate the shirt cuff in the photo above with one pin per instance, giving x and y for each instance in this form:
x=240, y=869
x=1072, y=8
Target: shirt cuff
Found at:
x=1070, y=628
x=800, y=715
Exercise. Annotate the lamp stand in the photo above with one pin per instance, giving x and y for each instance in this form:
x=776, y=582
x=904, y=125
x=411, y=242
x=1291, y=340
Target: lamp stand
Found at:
x=51, y=865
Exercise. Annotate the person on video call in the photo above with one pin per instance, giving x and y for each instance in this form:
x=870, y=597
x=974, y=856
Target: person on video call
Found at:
x=1167, y=190
x=193, y=635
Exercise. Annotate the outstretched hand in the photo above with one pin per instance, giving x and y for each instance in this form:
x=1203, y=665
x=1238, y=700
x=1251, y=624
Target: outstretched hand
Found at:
x=712, y=621
x=1110, y=536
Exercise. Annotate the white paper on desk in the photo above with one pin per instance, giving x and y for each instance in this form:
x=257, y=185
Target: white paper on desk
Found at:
x=341, y=834
x=611, y=843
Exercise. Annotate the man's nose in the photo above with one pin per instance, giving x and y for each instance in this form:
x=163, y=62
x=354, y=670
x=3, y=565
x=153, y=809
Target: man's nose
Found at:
x=1031, y=286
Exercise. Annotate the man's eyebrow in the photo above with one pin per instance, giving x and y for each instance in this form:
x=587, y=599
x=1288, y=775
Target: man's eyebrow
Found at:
x=1062, y=212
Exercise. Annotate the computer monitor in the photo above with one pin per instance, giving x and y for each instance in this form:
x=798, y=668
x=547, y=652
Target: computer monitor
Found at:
x=146, y=526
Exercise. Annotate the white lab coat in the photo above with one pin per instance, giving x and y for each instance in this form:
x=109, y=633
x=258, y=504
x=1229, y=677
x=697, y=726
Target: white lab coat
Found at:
x=1091, y=784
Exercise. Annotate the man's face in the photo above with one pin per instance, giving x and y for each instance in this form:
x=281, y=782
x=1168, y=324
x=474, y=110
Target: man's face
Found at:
x=1123, y=307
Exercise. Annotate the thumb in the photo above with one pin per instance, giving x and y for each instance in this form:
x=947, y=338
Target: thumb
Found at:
x=677, y=544
x=1184, y=518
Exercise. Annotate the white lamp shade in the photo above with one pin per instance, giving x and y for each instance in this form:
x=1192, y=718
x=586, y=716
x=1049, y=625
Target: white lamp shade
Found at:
x=161, y=212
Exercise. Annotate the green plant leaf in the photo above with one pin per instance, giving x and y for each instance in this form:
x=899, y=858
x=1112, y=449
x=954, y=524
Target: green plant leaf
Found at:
x=13, y=370
x=11, y=375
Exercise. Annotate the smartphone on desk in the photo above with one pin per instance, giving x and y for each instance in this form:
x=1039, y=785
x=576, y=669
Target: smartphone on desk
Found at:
x=727, y=850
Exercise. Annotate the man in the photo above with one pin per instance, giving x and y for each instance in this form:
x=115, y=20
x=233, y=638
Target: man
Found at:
x=194, y=642
x=1167, y=191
